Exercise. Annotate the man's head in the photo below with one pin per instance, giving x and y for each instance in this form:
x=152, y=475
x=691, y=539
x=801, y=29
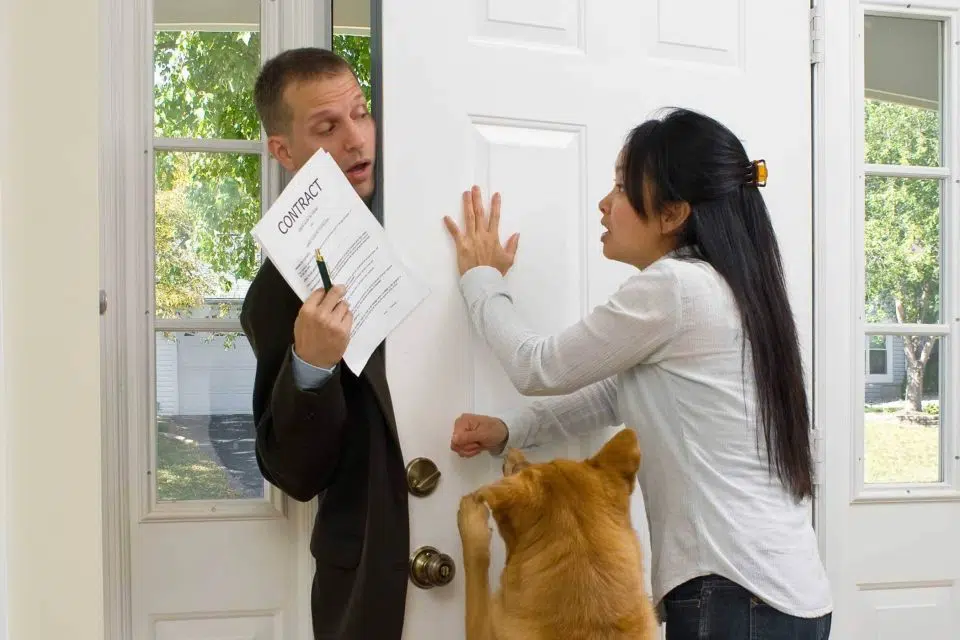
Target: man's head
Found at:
x=309, y=99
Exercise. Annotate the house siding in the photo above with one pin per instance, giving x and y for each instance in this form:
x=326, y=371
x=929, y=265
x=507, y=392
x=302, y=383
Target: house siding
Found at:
x=168, y=396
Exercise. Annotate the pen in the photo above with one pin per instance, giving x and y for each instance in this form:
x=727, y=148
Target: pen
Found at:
x=322, y=267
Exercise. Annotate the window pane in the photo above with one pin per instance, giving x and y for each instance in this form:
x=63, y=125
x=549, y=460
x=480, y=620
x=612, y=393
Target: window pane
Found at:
x=878, y=363
x=206, y=59
x=904, y=89
x=206, y=204
x=902, y=416
x=205, y=430
x=902, y=250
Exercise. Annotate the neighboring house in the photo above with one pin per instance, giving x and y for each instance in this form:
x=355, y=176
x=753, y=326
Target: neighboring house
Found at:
x=886, y=370
x=199, y=374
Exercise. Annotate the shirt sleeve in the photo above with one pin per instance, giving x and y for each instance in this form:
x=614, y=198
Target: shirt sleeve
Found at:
x=563, y=417
x=306, y=376
x=629, y=329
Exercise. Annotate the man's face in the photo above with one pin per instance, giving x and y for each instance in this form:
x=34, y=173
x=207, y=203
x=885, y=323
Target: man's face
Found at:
x=329, y=113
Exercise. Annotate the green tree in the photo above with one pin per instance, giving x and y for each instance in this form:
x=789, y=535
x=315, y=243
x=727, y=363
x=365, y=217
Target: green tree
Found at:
x=902, y=229
x=356, y=51
x=208, y=202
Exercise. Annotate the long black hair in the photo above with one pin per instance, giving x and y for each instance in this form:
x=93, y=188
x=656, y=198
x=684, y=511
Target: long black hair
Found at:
x=688, y=157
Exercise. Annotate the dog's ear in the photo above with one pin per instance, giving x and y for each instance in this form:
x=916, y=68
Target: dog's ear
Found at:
x=514, y=461
x=512, y=503
x=620, y=455
x=505, y=494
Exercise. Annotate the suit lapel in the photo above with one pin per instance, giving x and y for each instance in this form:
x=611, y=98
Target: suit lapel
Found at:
x=375, y=373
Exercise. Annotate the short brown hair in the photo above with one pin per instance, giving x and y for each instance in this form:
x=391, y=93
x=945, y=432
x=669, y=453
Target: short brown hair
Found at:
x=293, y=65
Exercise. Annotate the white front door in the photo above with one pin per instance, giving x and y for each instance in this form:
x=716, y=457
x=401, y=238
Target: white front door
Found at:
x=533, y=99
x=889, y=299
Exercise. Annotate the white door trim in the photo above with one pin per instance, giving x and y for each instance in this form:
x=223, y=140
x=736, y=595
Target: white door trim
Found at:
x=834, y=342
x=122, y=193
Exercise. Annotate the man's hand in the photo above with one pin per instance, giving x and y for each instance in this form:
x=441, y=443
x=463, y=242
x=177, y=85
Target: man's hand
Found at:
x=322, y=329
x=479, y=242
x=473, y=433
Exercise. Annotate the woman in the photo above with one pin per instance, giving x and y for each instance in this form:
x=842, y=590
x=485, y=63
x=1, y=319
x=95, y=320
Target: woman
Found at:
x=698, y=352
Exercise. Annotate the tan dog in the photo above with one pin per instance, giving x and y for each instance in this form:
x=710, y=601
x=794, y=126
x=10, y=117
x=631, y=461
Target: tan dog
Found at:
x=573, y=569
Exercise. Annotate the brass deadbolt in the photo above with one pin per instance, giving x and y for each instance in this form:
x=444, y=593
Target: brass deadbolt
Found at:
x=429, y=568
x=422, y=477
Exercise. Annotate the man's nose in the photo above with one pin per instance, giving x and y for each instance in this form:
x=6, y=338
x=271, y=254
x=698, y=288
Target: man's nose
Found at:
x=354, y=138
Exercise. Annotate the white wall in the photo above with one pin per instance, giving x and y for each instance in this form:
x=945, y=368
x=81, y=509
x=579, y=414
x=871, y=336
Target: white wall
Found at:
x=4, y=459
x=48, y=313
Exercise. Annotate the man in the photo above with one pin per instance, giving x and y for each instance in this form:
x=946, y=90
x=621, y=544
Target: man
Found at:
x=321, y=430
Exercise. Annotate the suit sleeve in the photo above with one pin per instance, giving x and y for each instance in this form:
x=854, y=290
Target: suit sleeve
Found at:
x=299, y=431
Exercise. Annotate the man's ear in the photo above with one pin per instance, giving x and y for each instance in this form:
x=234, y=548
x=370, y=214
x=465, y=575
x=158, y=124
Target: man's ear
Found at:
x=279, y=147
x=621, y=455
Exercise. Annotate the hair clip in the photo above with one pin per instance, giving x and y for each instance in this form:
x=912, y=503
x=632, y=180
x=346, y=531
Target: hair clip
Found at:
x=757, y=176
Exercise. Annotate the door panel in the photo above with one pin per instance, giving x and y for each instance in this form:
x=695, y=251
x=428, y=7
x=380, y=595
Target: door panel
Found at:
x=533, y=99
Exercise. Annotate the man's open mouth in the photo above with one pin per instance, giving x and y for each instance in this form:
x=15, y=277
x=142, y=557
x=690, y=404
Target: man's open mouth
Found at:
x=359, y=168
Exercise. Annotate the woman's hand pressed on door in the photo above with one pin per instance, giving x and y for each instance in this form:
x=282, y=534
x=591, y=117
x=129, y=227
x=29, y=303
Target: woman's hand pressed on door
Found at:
x=479, y=242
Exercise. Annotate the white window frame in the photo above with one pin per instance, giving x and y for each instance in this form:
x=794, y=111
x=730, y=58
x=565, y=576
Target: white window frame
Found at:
x=143, y=386
x=947, y=331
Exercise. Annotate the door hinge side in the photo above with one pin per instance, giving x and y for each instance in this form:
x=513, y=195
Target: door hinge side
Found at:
x=819, y=461
x=816, y=34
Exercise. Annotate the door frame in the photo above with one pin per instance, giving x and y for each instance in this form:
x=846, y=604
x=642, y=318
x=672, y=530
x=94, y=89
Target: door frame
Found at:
x=308, y=22
x=836, y=348
x=123, y=191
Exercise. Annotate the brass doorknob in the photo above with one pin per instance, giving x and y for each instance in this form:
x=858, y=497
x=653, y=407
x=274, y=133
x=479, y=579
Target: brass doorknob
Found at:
x=429, y=568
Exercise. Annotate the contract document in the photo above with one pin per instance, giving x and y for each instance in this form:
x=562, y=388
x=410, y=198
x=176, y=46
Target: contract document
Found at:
x=319, y=209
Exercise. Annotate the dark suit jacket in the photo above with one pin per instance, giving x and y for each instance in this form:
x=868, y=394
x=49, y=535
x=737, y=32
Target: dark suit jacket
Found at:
x=338, y=442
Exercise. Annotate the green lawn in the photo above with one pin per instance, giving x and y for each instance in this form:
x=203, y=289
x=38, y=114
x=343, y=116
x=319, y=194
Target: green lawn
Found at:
x=894, y=452
x=185, y=473
x=899, y=452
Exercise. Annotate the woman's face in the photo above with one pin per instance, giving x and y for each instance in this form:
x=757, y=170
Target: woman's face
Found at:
x=628, y=237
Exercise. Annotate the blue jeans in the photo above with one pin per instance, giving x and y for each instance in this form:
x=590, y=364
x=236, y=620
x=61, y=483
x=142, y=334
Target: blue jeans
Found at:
x=714, y=608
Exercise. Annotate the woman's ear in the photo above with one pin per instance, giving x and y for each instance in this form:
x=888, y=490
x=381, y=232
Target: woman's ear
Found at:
x=673, y=216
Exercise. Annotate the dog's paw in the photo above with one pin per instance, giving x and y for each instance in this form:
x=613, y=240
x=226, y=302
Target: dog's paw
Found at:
x=473, y=520
x=514, y=462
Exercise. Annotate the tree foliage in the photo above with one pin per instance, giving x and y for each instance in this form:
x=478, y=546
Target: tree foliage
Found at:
x=207, y=203
x=356, y=51
x=902, y=228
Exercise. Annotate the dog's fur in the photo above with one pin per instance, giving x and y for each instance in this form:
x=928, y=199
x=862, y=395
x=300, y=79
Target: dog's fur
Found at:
x=573, y=569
